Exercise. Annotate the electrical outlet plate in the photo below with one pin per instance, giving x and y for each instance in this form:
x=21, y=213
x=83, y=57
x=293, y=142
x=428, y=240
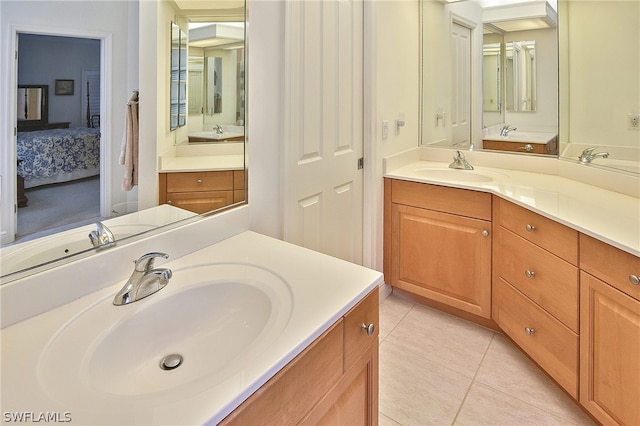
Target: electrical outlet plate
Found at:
x=633, y=121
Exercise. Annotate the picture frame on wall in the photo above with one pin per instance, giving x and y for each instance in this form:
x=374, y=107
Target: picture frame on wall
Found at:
x=64, y=87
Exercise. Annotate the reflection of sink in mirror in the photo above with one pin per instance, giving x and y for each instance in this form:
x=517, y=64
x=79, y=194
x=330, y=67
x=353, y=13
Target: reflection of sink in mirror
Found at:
x=455, y=175
x=229, y=132
x=117, y=351
x=49, y=248
x=215, y=136
x=493, y=133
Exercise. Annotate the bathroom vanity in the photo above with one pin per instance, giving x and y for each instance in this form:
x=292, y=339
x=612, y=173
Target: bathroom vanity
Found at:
x=203, y=177
x=565, y=264
x=265, y=332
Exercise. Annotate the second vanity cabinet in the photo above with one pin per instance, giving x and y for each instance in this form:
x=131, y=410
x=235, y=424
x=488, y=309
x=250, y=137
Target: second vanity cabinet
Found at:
x=334, y=381
x=535, y=288
x=439, y=244
x=610, y=333
x=201, y=191
x=568, y=300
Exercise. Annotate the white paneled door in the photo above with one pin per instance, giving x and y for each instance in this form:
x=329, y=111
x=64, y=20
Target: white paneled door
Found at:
x=323, y=185
x=460, y=85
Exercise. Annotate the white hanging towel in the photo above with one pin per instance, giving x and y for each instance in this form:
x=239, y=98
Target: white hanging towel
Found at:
x=129, y=152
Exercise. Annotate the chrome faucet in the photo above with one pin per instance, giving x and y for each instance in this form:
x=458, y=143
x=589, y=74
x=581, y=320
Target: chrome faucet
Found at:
x=218, y=129
x=506, y=129
x=459, y=162
x=102, y=237
x=588, y=156
x=144, y=281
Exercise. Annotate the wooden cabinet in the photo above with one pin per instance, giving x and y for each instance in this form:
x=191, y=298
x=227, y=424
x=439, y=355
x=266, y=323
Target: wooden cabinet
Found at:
x=610, y=333
x=334, y=381
x=440, y=244
x=201, y=192
x=535, y=289
x=550, y=148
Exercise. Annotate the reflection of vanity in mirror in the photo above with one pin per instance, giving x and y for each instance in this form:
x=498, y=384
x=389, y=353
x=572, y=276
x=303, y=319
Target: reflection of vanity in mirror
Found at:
x=503, y=67
x=204, y=170
x=530, y=77
x=181, y=159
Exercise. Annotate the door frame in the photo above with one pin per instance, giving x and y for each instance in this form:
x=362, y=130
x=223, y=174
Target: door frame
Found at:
x=8, y=169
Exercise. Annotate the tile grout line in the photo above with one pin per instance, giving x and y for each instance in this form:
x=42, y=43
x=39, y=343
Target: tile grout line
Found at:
x=473, y=379
x=389, y=334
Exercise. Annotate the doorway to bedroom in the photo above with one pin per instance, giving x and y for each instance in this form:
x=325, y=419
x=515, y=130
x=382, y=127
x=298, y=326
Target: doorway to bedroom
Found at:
x=58, y=148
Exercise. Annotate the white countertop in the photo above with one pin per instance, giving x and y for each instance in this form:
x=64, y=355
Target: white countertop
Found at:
x=607, y=215
x=322, y=289
x=170, y=164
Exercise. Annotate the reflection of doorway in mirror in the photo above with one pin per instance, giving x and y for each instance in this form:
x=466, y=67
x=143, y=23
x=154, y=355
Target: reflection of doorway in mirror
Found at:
x=63, y=191
x=460, y=86
x=214, y=84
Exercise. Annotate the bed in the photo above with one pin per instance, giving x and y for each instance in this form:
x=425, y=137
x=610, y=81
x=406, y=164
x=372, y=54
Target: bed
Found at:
x=58, y=155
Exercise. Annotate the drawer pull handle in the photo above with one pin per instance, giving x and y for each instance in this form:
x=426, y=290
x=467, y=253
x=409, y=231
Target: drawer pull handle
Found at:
x=530, y=274
x=529, y=330
x=634, y=279
x=169, y=202
x=199, y=181
x=368, y=328
x=530, y=228
x=485, y=233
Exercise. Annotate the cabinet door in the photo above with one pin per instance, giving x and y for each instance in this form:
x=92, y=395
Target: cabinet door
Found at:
x=200, y=202
x=610, y=352
x=354, y=401
x=443, y=257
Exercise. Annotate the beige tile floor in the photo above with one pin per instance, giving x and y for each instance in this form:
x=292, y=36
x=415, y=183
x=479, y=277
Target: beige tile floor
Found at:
x=436, y=369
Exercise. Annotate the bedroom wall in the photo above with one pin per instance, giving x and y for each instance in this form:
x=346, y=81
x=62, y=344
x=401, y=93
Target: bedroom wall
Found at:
x=43, y=59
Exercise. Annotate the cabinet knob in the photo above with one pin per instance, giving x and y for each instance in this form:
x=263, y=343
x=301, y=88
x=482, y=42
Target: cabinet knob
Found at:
x=199, y=181
x=530, y=274
x=529, y=330
x=530, y=228
x=634, y=279
x=169, y=202
x=368, y=328
x=485, y=233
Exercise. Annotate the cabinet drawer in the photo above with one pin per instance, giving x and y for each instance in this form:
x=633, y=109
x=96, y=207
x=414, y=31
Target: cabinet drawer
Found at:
x=546, y=340
x=532, y=148
x=461, y=202
x=200, y=181
x=356, y=322
x=200, y=202
x=548, y=234
x=610, y=264
x=546, y=279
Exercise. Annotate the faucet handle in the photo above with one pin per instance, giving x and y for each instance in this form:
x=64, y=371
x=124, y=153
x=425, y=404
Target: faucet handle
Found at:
x=145, y=262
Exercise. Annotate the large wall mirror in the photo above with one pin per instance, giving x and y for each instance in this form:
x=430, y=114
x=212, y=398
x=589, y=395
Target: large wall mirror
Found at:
x=500, y=69
x=599, y=84
x=566, y=85
x=62, y=244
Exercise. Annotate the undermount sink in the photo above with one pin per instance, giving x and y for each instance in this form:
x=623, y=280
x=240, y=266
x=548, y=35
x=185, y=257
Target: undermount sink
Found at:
x=456, y=175
x=213, y=318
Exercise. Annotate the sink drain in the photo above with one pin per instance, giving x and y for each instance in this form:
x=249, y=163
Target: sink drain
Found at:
x=171, y=362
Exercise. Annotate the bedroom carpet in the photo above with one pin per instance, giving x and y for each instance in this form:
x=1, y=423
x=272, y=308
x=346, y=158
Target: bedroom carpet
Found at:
x=54, y=208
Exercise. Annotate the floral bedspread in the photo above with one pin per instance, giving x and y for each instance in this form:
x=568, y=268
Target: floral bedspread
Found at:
x=45, y=153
